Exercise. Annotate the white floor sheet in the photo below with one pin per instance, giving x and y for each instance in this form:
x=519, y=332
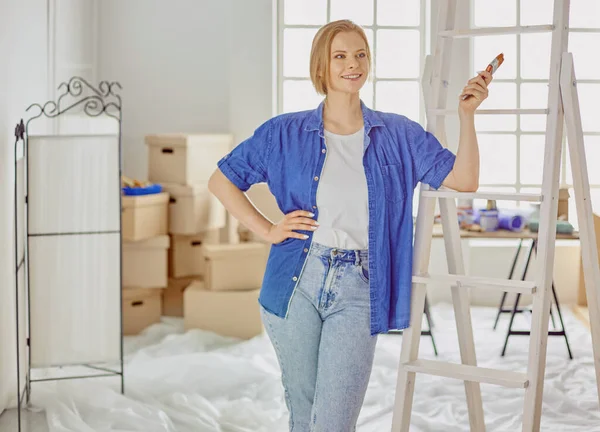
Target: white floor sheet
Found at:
x=200, y=382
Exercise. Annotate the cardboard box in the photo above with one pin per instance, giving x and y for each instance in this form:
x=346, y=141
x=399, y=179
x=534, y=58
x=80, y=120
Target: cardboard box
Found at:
x=563, y=203
x=145, y=263
x=144, y=216
x=231, y=267
x=172, y=296
x=141, y=308
x=582, y=294
x=193, y=209
x=185, y=158
x=228, y=313
x=265, y=202
x=186, y=257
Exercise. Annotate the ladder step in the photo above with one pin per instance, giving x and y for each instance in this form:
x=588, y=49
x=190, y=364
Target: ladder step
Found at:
x=499, y=196
x=490, y=31
x=468, y=373
x=506, y=285
x=492, y=111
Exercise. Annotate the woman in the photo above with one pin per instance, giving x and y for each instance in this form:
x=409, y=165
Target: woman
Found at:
x=339, y=270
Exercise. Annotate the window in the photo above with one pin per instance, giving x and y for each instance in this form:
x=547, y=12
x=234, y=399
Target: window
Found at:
x=398, y=34
x=516, y=143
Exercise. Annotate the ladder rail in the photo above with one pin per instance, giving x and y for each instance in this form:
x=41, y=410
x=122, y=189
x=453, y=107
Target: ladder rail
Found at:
x=462, y=311
x=581, y=186
x=536, y=365
x=435, y=93
x=563, y=108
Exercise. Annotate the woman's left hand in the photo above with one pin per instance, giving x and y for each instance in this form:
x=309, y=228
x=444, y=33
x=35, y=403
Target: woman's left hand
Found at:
x=477, y=89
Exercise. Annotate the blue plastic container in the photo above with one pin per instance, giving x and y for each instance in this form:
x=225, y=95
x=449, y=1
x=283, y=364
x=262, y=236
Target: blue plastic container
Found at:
x=146, y=190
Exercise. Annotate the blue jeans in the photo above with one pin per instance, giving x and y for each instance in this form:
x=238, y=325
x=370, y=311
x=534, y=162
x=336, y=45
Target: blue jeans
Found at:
x=324, y=346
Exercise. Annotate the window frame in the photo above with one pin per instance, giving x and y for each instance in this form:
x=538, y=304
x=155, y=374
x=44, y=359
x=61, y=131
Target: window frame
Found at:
x=424, y=28
x=518, y=80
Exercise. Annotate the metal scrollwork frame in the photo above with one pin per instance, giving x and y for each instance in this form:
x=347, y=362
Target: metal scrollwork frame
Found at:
x=93, y=101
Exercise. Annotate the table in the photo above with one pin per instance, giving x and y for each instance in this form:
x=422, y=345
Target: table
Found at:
x=521, y=236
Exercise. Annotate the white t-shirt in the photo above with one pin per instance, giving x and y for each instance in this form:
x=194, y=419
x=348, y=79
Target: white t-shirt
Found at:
x=342, y=197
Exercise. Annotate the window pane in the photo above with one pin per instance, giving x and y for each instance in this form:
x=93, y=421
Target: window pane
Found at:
x=496, y=122
x=535, y=55
x=589, y=95
x=584, y=13
x=584, y=47
x=305, y=11
x=398, y=12
x=532, y=159
x=398, y=54
x=359, y=11
x=399, y=97
x=498, y=155
x=537, y=12
x=369, y=33
x=533, y=123
x=502, y=13
x=296, y=52
x=299, y=95
x=534, y=95
x=503, y=95
x=366, y=94
x=592, y=157
x=486, y=48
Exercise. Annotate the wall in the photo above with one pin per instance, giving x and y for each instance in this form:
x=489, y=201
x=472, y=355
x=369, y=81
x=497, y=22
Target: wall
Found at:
x=172, y=60
x=187, y=66
x=46, y=42
x=23, y=79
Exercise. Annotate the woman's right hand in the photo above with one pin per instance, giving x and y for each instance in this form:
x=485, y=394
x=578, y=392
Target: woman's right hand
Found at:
x=298, y=220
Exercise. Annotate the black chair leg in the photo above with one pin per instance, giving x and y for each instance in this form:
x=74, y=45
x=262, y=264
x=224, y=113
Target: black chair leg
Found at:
x=510, y=275
x=562, y=323
x=512, y=319
x=516, y=305
x=504, y=294
x=430, y=324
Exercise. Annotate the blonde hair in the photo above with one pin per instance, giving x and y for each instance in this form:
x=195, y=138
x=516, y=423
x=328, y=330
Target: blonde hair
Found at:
x=320, y=52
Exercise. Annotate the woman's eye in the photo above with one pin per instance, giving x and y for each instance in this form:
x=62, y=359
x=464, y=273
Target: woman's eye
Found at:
x=361, y=55
x=339, y=56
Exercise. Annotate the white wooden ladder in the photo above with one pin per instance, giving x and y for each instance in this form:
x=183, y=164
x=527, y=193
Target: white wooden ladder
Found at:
x=563, y=106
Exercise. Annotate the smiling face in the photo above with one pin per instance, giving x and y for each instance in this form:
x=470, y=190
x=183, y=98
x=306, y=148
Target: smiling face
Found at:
x=348, y=63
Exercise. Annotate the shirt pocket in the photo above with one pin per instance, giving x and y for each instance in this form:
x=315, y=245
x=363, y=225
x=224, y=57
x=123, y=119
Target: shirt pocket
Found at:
x=394, y=183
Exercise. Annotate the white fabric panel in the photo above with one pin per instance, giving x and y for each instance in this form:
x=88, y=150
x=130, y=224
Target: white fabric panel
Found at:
x=22, y=328
x=20, y=209
x=74, y=183
x=75, y=299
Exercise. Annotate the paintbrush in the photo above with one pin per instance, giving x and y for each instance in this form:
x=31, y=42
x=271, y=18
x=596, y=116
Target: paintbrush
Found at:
x=491, y=68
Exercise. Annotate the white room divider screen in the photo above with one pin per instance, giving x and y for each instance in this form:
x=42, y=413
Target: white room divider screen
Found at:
x=68, y=247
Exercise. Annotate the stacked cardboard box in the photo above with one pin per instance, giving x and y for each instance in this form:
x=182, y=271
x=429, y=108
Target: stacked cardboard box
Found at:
x=226, y=301
x=213, y=286
x=144, y=271
x=182, y=164
x=582, y=293
x=265, y=202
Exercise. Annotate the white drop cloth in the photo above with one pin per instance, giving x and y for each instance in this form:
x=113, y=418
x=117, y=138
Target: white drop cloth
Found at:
x=198, y=381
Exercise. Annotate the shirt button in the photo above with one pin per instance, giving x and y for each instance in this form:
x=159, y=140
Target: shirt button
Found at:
x=316, y=178
x=294, y=278
x=305, y=250
x=323, y=151
x=314, y=207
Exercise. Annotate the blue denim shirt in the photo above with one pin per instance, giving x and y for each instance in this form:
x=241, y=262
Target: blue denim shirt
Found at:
x=288, y=152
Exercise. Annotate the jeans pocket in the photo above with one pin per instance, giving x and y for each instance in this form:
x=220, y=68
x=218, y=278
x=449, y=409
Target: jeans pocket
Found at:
x=363, y=271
